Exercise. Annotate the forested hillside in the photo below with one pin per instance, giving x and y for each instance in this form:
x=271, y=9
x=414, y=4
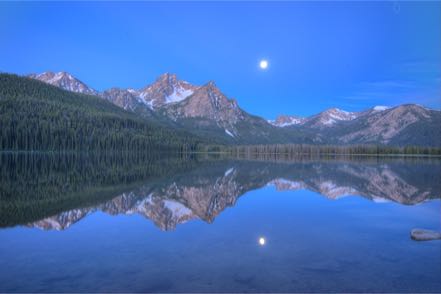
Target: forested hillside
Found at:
x=37, y=116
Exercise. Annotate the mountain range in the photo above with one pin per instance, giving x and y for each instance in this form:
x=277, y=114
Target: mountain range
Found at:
x=206, y=112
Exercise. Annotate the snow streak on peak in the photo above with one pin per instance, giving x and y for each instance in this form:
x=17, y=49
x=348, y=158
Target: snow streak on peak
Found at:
x=229, y=133
x=178, y=95
x=285, y=121
x=380, y=108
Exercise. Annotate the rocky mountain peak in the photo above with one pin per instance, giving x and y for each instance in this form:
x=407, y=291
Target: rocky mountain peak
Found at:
x=210, y=90
x=64, y=80
x=338, y=111
x=167, y=80
x=411, y=107
x=166, y=89
x=287, y=120
x=123, y=98
x=331, y=116
x=211, y=85
x=210, y=93
x=208, y=102
x=386, y=126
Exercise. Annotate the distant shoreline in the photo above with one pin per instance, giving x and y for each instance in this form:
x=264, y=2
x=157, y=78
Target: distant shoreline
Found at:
x=239, y=154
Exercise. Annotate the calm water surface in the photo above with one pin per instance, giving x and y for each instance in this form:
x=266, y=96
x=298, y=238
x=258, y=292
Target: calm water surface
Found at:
x=75, y=224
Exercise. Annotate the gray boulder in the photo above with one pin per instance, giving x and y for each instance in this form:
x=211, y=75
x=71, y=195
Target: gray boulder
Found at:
x=424, y=235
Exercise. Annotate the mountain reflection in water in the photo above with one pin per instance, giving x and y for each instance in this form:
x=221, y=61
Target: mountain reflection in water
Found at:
x=54, y=193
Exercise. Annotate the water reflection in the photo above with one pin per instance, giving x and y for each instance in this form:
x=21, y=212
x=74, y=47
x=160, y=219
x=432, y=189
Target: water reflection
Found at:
x=54, y=193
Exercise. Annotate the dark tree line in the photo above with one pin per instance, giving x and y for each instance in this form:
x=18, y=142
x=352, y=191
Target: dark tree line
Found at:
x=301, y=149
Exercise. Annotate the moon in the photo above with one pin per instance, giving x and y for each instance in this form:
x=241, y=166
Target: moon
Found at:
x=263, y=64
x=262, y=241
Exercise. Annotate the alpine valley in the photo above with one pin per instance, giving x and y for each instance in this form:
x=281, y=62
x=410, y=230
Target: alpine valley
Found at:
x=206, y=113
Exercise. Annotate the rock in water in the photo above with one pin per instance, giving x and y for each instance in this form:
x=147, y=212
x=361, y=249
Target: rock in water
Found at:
x=424, y=235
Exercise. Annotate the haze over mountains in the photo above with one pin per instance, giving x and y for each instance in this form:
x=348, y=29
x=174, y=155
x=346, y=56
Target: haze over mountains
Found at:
x=205, y=111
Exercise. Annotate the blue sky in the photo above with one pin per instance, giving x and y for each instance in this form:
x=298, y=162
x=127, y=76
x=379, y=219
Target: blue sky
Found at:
x=351, y=55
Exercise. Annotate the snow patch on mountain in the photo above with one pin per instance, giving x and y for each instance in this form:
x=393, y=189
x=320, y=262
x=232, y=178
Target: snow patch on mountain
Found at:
x=330, y=121
x=339, y=114
x=282, y=184
x=148, y=103
x=332, y=190
x=58, y=76
x=380, y=200
x=380, y=108
x=178, y=95
x=286, y=121
x=229, y=133
x=178, y=209
x=229, y=171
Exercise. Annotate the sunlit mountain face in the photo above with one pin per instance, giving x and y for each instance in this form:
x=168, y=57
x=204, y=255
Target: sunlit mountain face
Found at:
x=173, y=191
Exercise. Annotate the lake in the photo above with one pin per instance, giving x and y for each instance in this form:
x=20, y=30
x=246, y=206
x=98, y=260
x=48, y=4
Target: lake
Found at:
x=95, y=223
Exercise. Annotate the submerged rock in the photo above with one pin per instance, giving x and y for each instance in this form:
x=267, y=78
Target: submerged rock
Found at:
x=424, y=235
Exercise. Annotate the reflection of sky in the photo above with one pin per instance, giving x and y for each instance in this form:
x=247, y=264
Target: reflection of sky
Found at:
x=315, y=244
